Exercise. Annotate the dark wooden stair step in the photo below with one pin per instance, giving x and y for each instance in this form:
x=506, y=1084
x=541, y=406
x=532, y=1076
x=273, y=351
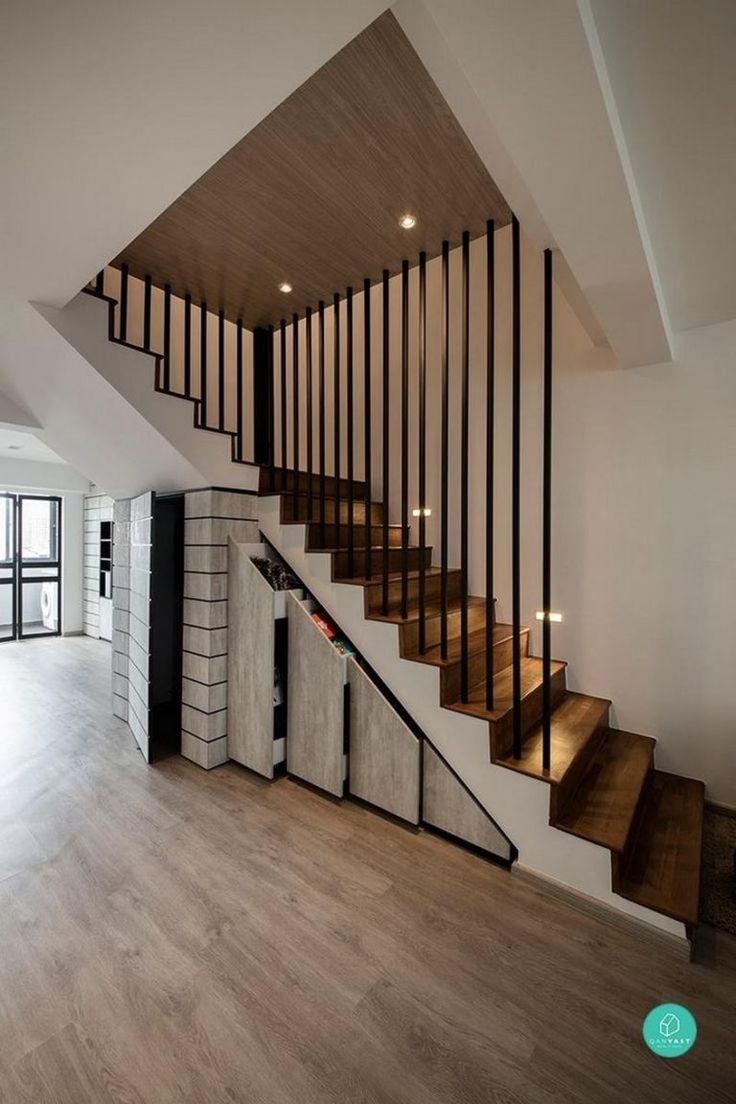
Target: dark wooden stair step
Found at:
x=432, y=587
x=451, y=668
x=275, y=480
x=661, y=868
x=340, y=562
x=576, y=720
x=603, y=807
x=297, y=509
x=336, y=536
x=500, y=718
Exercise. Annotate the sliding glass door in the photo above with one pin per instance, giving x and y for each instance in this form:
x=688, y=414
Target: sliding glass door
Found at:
x=8, y=600
x=30, y=566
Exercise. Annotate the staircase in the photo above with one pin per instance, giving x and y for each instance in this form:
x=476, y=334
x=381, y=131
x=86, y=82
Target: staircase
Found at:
x=603, y=786
x=600, y=818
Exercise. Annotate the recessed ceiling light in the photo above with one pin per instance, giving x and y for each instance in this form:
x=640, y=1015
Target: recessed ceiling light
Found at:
x=407, y=221
x=286, y=288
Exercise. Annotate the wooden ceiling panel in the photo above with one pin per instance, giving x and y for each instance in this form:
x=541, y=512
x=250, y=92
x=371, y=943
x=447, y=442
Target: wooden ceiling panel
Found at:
x=314, y=193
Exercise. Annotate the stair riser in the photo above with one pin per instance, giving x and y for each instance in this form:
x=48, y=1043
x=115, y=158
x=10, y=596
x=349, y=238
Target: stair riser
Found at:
x=503, y=656
x=340, y=564
x=433, y=629
x=564, y=790
x=284, y=481
x=620, y=860
x=502, y=730
x=300, y=511
x=373, y=593
x=336, y=536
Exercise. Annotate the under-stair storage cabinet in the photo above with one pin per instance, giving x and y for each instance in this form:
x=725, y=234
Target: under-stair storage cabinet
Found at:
x=257, y=650
x=315, y=742
x=385, y=755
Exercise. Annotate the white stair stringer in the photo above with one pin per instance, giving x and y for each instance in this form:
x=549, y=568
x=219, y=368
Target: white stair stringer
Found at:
x=84, y=324
x=517, y=803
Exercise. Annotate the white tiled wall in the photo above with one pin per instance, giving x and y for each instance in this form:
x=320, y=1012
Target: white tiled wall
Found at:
x=211, y=517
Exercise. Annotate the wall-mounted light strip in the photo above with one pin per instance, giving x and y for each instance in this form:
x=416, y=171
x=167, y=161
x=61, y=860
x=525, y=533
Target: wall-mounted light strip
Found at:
x=426, y=512
x=542, y=616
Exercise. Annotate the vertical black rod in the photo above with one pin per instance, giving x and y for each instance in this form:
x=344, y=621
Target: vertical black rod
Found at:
x=338, y=413
x=167, y=338
x=295, y=411
x=187, y=345
x=284, y=461
x=516, y=479
x=464, y=426
x=271, y=415
x=367, y=531
x=351, y=442
x=239, y=384
x=321, y=339
x=124, y=302
x=221, y=370
x=547, y=520
x=422, y=417
x=310, y=412
x=385, y=479
x=490, y=439
x=404, y=439
x=203, y=366
x=444, y=445
x=147, y=289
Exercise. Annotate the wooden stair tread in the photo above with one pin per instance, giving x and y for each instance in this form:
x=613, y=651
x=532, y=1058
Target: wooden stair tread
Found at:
x=432, y=610
x=531, y=679
x=393, y=577
x=603, y=807
x=476, y=645
x=662, y=871
x=574, y=721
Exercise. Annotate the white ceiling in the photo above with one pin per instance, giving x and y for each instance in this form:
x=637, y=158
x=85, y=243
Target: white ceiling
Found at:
x=16, y=445
x=672, y=71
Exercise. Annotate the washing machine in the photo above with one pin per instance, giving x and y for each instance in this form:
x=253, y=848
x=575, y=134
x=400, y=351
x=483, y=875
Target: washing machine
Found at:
x=50, y=606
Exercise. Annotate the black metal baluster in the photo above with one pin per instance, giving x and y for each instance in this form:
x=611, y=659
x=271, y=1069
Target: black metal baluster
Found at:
x=271, y=416
x=239, y=385
x=188, y=345
x=367, y=531
x=422, y=474
x=221, y=369
x=124, y=302
x=516, y=480
x=351, y=443
x=444, y=446
x=203, y=366
x=404, y=439
x=464, y=428
x=547, y=521
x=147, y=290
x=166, y=384
x=310, y=411
x=295, y=412
x=338, y=413
x=284, y=459
x=321, y=338
x=385, y=479
x=490, y=441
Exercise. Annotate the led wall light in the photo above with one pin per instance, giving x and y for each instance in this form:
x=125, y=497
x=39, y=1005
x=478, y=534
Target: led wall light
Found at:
x=541, y=616
x=418, y=512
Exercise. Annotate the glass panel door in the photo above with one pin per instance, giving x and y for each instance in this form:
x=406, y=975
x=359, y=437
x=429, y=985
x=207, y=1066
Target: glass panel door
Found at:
x=39, y=565
x=8, y=626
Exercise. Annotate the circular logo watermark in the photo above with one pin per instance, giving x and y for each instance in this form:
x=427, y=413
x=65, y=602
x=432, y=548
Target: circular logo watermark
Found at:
x=669, y=1030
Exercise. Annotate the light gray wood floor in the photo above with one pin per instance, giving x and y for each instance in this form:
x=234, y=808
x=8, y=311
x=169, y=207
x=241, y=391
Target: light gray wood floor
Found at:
x=172, y=935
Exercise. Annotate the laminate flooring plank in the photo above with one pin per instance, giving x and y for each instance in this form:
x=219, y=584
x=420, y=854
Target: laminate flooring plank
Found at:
x=174, y=935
